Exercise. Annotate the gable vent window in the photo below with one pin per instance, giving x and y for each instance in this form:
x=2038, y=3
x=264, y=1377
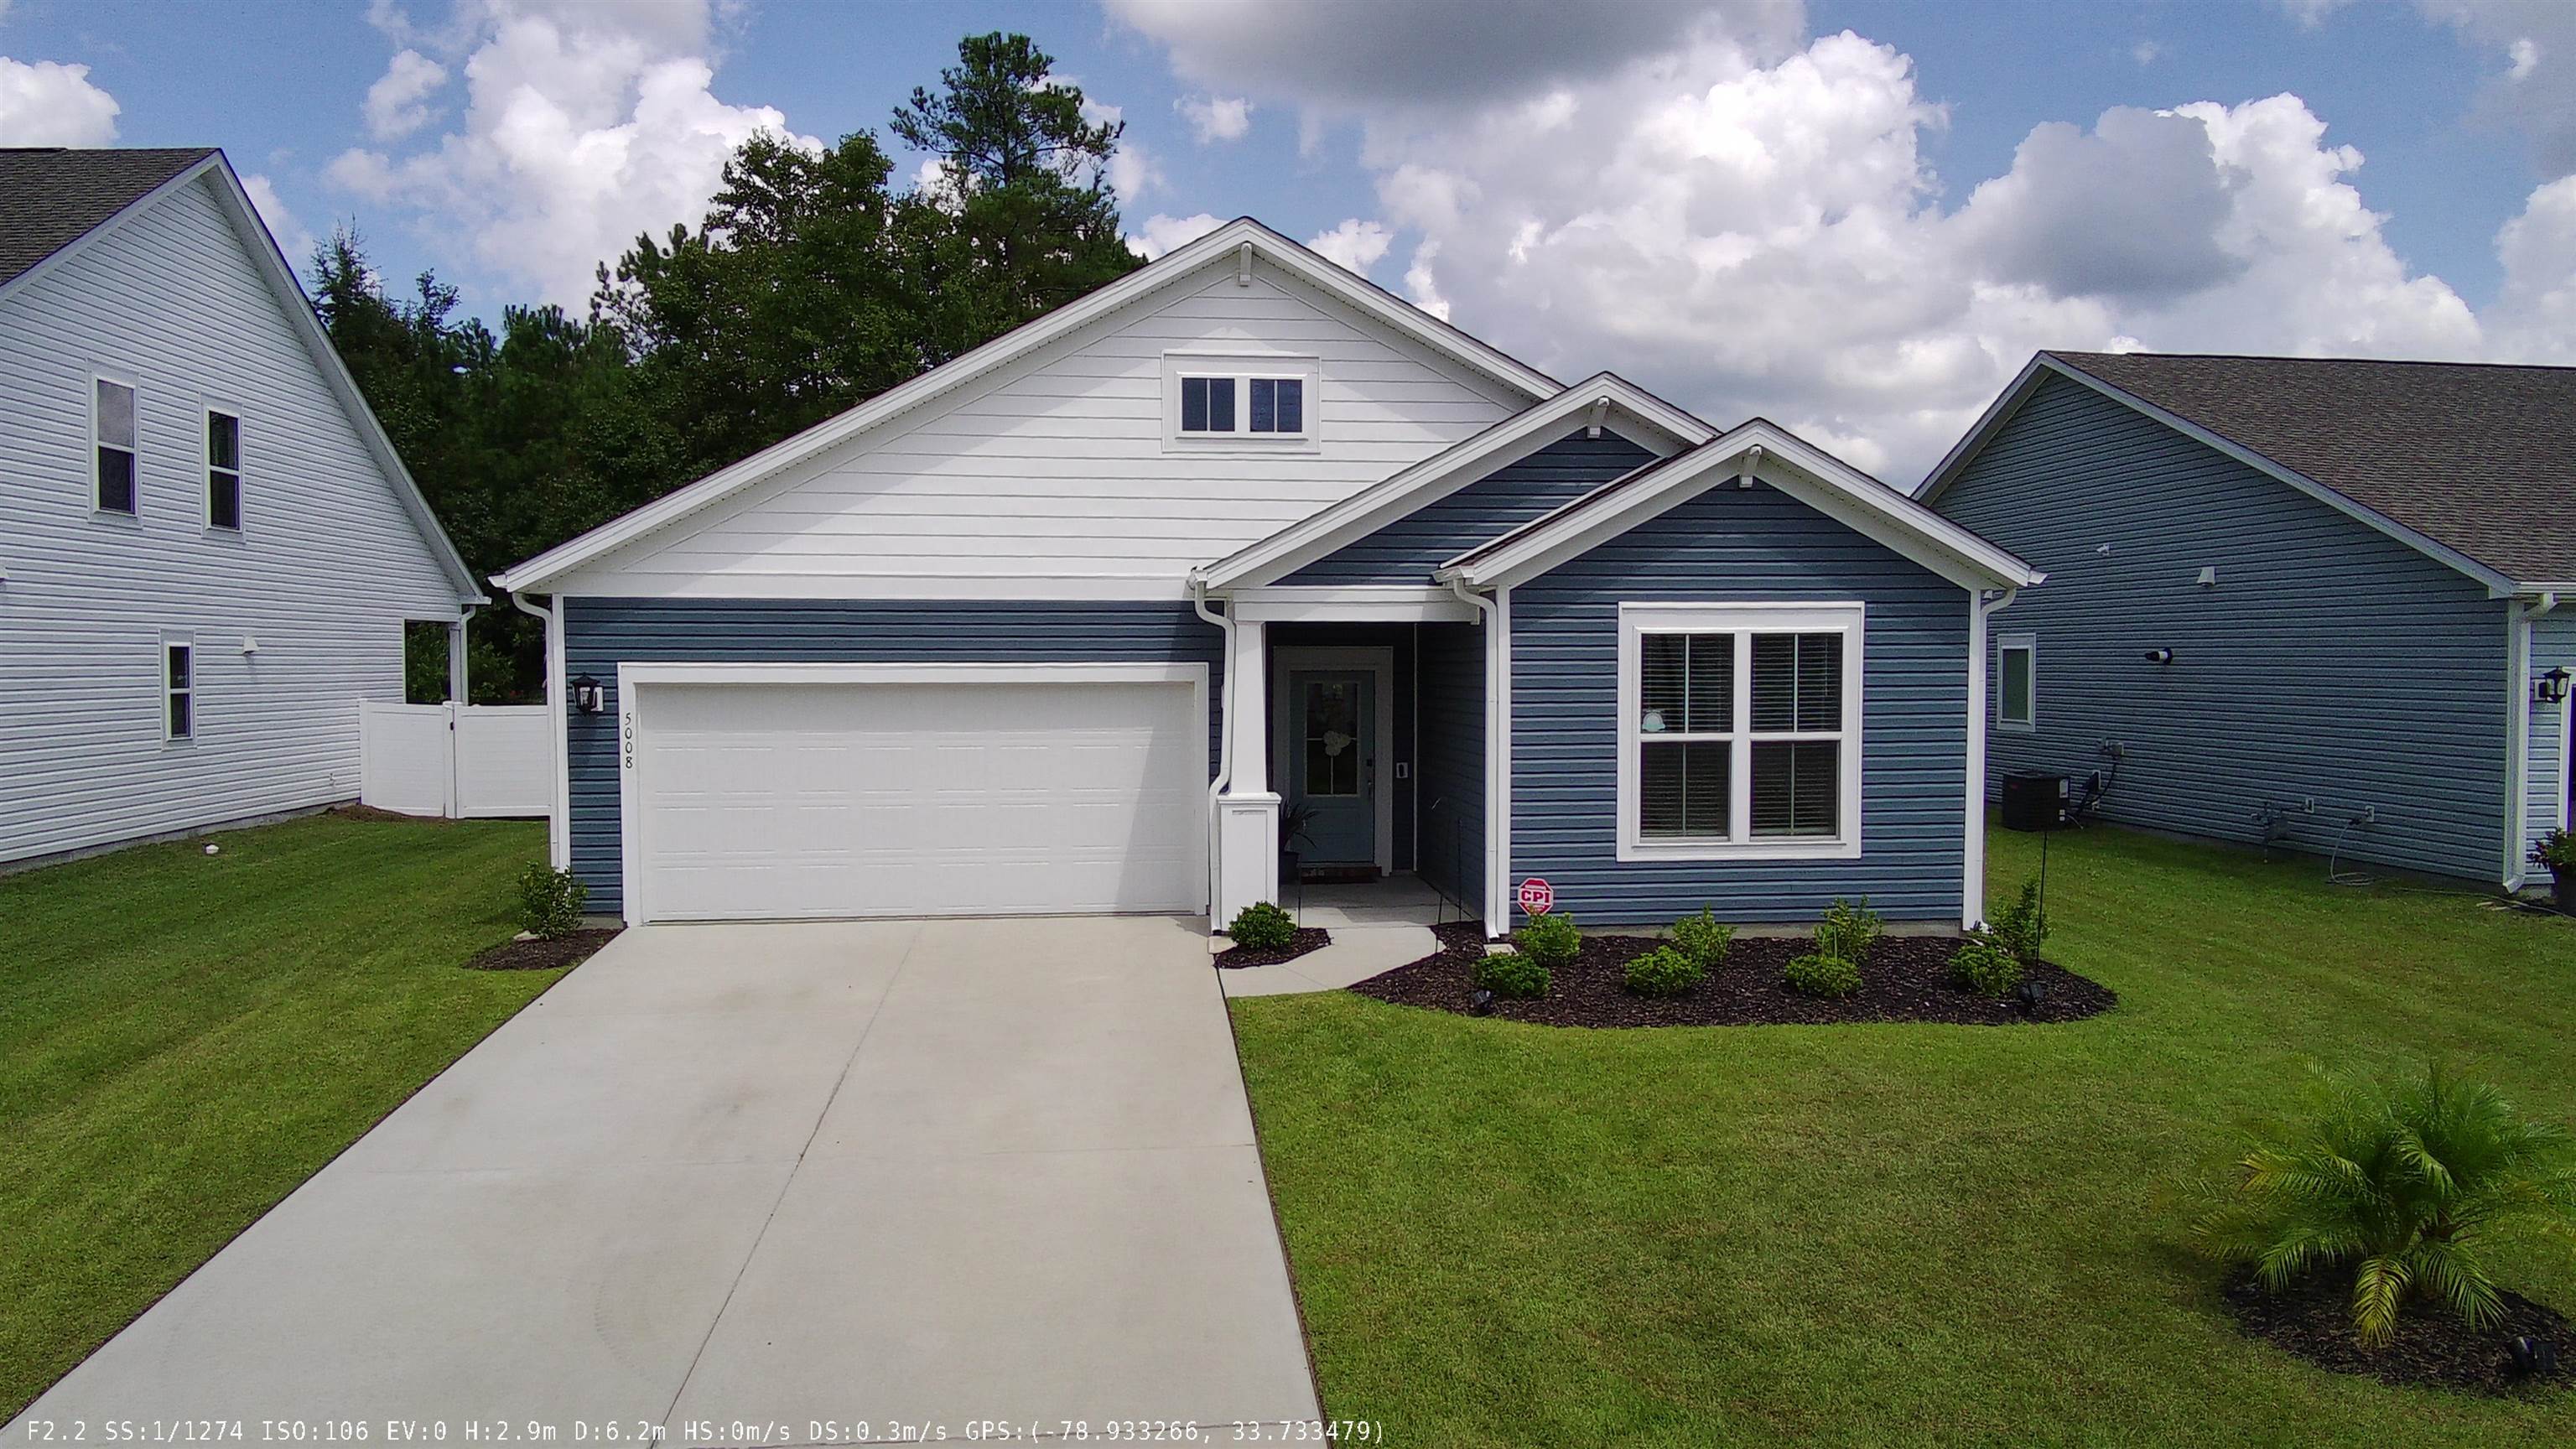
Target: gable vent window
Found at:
x=1740, y=731
x=2017, y=682
x=1259, y=403
x=112, y=423
x=179, y=688
x=223, y=470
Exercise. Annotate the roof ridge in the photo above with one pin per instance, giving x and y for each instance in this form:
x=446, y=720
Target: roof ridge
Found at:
x=2071, y=354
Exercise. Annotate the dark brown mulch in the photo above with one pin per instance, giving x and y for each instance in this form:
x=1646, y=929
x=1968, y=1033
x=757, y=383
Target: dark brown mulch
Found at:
x=1907, y=979
x=542, y=954
x=1308, y=938
x=2312, y=1318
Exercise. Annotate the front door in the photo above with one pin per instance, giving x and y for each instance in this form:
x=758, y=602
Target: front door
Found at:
x=1332, y=764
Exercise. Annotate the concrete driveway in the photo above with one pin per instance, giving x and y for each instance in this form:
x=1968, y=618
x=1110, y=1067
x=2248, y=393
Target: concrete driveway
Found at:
x=776, y=1185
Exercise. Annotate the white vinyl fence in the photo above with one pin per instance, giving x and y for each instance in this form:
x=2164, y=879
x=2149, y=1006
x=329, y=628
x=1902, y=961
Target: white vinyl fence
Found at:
x=455, y=760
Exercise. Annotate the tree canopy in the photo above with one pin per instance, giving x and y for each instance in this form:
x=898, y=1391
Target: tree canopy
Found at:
x=810, y=285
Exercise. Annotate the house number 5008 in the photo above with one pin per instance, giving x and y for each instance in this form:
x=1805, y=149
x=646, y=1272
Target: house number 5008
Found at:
x=626, y=734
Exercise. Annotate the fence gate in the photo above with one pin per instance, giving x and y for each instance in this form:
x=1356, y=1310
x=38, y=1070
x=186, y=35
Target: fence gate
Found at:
x=476, y=760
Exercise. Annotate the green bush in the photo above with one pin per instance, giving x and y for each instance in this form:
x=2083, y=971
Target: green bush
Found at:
x=1663, y=971
x=1984, y=966
x=1848, y=931
x=1262, y=926
x=1550, y=940
x=2022, y=927
x=550, y=901
x=2407, y=1182
x=1702, y=939
x=1512, y=973
x=1819, y=974
x=2555, y=849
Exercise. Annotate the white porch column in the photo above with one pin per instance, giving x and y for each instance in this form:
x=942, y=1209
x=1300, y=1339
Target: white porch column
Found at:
x=1248, y=814
x=456, y=658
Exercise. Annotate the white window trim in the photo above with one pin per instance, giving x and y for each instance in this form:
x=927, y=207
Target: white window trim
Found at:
x=206, y=484
x=130, y=385
x=1742, y=620
x=1241, y=368
x=170, y=641
x=2004, y=645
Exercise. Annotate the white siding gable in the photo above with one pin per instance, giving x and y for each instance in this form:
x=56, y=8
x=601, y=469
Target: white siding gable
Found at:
x=1053, y=479
x=325, y=569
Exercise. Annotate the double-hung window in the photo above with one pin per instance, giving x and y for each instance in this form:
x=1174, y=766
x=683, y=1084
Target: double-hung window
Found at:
x=112, y=431
x=2017, y=682
x=223, y=469
x=1739, y=730
x=178, y=688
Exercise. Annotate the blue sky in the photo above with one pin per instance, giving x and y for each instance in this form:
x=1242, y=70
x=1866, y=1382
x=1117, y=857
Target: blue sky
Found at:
x=1731, y=200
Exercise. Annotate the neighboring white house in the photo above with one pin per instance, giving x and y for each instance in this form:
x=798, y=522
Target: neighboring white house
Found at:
x=208, y=549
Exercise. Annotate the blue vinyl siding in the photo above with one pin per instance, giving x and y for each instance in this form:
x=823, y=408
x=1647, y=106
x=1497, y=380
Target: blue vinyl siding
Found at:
x=1407, y=550
x=2553, y=644
x=2329, y=662
x=599, y=634
x=1450, y=773
x=1738, y=546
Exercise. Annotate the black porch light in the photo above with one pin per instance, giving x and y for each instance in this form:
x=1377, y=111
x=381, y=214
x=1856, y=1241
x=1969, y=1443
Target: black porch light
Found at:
x=586, y=695
x=2551, y=688
x=2160, y=656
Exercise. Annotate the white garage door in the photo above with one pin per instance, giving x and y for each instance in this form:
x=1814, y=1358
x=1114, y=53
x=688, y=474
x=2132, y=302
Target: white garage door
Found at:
x=972, y=794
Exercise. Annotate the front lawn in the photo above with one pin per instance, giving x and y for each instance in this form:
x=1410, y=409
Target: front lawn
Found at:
x=184, y=1038
x=1515, y=1234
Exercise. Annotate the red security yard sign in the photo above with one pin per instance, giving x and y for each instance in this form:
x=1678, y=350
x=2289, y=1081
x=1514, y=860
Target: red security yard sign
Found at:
x=1537, y=897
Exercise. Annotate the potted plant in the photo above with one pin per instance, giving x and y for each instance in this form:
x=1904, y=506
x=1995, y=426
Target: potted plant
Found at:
x=1293, y=820
x=2557, y=850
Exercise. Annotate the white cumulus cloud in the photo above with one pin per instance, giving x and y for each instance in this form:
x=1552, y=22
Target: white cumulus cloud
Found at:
x=1160, y=233
x=47, y=103
x=294, y=239
x=397, y=104
x=583, y=125
x=1216, y=118
x=1355, y=244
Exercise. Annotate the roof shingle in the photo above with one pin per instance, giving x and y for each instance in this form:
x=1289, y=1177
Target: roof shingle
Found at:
x=2479, y=457
x=51, y=197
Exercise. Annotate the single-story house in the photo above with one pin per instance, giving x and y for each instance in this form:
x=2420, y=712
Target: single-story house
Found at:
x=2310, y=601
x=1241, y=545
x=208, y=549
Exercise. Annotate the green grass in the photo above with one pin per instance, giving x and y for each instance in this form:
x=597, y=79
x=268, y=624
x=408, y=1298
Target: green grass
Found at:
x=1509, y=1234
x=184, y=1038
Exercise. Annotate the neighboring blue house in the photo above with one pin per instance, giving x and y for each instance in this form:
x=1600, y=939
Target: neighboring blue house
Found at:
x=2326, y=603
x=1078, y=621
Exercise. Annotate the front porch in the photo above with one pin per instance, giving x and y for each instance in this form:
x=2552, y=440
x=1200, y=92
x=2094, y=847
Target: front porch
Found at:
x=1356, y=751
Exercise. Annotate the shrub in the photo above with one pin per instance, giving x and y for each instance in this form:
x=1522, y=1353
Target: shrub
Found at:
x=2022, y=927
x=2405, y=1181
x=1664, y=971
x=1820, y=974
x=1262, y=926
x=1702, y=939
x=550, y=901
x=1848, y=931
x=1983, y=965
x=1550, y=940
x=2556, y=849
x=1511, y=973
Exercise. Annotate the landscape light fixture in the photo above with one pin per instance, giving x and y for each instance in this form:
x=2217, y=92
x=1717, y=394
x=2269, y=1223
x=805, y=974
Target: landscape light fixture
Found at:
x=2028, y=995
x=1480, y=1002
x=586, y=695
x=2551, y=688
x=2534, y=1357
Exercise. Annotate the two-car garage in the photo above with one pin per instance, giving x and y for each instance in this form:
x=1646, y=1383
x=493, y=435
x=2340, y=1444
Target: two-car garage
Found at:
x=788, y=791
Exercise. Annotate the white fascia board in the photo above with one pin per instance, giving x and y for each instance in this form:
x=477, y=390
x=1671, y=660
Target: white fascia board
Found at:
x=1364, y=603
x=2442, y=553
x=1795, y=467
x=1219, y=246
x=1665, y=428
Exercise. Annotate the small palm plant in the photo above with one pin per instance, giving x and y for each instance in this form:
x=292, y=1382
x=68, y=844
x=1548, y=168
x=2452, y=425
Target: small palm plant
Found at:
x=2404, y=1182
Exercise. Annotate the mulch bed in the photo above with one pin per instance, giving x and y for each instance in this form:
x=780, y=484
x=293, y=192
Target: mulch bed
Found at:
x=1308, y=938
x=542, y=954
x=2433, y=1348
x=1907, y=979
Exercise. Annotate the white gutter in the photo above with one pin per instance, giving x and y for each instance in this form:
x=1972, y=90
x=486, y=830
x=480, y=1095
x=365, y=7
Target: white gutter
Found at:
x=1497, y=760
x=1224, y=738
x=559, y=817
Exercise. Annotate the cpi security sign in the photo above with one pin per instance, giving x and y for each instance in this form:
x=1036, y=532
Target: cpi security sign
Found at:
x=1537, y=897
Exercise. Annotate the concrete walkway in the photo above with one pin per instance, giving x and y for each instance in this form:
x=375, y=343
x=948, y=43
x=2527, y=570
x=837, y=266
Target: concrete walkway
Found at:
x=776, y=1184
x=1356, y=954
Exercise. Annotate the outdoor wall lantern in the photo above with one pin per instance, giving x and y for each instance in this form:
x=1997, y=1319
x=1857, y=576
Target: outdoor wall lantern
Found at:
x=2160, y=656
x=2551, y=688
x=586, y=695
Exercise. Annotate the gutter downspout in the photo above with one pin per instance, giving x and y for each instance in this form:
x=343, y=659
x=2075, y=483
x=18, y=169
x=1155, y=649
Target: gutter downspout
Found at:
x=2517, y=755
x=558, y=814
x=1493, y=718
x=1224, y=737
x=456, y=655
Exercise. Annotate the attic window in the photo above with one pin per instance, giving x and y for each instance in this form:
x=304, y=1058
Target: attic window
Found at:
x=1249, y=402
